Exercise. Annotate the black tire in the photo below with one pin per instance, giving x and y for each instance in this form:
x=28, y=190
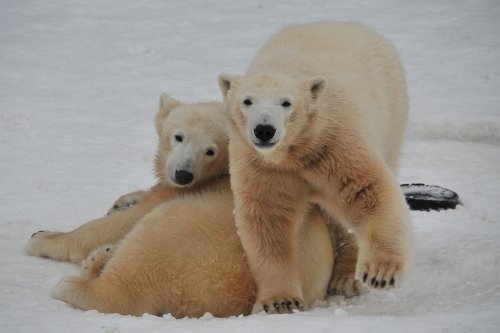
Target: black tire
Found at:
x=429, y=197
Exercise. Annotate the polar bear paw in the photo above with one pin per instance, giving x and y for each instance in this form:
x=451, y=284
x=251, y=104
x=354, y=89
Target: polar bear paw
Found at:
x=126, y=201
x=93, y=265
x=346, y=285
x=46, y=244
x=279, y=305
x=379, y=273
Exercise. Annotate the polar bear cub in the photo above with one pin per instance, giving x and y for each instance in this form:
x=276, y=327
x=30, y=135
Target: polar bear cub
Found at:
x=319, y=117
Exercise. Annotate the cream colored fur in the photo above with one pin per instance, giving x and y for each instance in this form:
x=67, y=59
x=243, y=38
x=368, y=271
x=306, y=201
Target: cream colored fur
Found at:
x=337, y=144
x=185, y=258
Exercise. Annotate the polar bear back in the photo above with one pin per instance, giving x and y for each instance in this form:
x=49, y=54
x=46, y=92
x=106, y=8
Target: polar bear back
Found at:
x=362, y=68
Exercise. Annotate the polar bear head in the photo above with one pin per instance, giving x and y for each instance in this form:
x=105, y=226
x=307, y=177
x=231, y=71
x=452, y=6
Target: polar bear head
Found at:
x=270, y=110
x=193, y=142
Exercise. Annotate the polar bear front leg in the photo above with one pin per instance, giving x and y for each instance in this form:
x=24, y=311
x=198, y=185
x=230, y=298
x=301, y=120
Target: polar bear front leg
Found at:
x=71, y=246
x=384, y=257
x=378, y=213
x=76, y=245
x=126, y=201
x=270, y=208
x=270, y=247
x=343, y=280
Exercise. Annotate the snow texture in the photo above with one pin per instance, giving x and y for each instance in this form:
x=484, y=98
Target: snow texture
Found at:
x=430, y=191
x=79, y=85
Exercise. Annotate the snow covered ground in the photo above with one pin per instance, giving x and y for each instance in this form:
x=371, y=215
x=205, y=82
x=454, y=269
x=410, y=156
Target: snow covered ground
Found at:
x=79, y=82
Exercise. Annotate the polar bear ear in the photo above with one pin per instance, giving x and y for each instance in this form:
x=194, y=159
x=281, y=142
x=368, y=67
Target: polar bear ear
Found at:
x=316, y=86
x=226, y=81
x=166, y=105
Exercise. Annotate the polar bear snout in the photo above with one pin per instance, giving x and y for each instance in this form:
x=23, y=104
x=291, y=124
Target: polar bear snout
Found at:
x=265, y=133
x=265, y=128
x=183, y=177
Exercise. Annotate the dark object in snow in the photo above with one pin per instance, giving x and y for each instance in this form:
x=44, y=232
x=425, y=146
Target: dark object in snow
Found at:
x=429, y=197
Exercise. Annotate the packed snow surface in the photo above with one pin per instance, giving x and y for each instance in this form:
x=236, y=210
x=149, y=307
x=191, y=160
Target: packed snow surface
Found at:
x=79, y=82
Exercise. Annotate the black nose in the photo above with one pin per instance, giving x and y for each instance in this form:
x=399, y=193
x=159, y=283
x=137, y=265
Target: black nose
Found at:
x=264, y=132
x=183, y=177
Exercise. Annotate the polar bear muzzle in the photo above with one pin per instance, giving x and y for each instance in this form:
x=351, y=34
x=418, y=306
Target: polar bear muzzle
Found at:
x=183, y=177
x=265, y=133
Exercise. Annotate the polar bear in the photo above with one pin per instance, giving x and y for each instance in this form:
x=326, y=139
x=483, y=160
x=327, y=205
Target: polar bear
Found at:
x=319, y=117
x=190, y=159
x=185, y=258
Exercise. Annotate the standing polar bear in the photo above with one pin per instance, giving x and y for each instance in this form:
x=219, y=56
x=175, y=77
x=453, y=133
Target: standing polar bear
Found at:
x=319, y=117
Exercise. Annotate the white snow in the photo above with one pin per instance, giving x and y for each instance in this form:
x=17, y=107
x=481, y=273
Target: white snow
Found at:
x=79, y=82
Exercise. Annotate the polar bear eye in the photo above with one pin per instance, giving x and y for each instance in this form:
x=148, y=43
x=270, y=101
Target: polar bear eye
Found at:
x=286, y=104
x=178, y=138
x=210, y=152
x=247, y=102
